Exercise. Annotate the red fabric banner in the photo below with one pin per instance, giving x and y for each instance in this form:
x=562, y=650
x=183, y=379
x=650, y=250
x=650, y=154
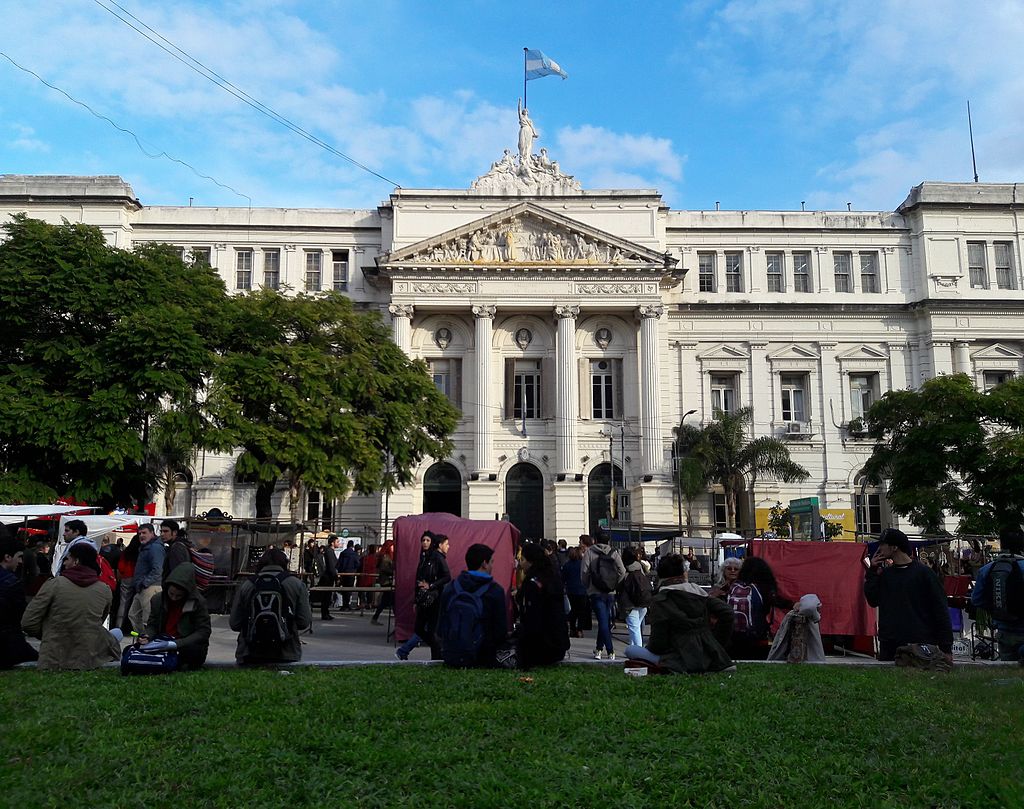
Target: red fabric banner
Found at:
x=502, y=536
x=833, y=571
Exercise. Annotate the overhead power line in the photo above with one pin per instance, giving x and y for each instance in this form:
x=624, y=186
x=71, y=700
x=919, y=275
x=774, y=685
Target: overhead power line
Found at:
x=211, y=75
x=125, y=130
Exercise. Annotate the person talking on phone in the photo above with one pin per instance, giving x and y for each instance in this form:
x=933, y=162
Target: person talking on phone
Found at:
x=909, y=596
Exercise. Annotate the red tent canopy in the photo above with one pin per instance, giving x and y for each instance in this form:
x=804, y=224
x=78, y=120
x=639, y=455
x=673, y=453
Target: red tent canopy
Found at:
x=502, y=536
x=833, y=571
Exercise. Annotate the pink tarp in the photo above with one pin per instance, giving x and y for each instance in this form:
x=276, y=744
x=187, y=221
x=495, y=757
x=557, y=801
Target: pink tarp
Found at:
x=831, y=570
x=497, y=534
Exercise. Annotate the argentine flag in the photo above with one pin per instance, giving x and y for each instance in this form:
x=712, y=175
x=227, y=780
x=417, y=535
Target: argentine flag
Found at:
x=538, y=66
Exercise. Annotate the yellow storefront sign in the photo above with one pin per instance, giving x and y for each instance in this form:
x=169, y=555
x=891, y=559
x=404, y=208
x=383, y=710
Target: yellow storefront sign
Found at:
x=842, y=516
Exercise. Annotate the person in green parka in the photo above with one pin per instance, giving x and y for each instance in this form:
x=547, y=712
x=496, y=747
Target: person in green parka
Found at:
x=179, y=613
x=689, y=629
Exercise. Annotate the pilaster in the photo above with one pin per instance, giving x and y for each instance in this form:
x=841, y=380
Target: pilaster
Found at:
x=566, y=389
x=650, y=405
x=483, y=412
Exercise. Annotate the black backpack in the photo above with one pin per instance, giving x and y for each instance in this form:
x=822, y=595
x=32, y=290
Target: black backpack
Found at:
x=605, y=575
x=462, y=626
x=638, y=588
x=271, y=617
x=1006, y=590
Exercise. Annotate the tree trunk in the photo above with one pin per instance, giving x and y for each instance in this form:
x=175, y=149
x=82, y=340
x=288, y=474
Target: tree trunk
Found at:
x=294, y=493
x=730, y=508
x=264, y=496
x=169, y=492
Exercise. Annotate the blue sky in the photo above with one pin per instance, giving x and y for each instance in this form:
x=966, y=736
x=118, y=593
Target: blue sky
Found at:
x=756, y=104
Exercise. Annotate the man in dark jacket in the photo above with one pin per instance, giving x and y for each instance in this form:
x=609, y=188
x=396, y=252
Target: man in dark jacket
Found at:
x=179, y=615
x=910, y=599
x=329, y=576
x=683, y=639
x=273, y=562
x=348, y=566
x=494, y=619
x=177, y=545
x=14, y=649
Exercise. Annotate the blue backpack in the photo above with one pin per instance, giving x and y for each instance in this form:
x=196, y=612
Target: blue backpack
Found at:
x=462, y=626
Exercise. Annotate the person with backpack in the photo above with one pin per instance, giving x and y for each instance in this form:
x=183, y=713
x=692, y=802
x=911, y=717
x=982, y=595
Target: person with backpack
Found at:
x=689, y=628
x=634, y=596
x=602, y=572
x=999, y=590
x=909, y=596
x=472, y=622
x=752, y=598
x=269, y=612
x=179, y=620
x=542, y=636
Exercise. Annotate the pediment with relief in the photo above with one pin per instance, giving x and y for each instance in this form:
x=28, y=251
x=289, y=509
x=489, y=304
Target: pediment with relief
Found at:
x=527, y=235
x=862, y=353
x=997, y=352
x=722, y=351
x=793, y=352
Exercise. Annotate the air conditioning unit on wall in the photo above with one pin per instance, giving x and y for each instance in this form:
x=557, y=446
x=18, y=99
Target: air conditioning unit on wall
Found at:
x=798, y=428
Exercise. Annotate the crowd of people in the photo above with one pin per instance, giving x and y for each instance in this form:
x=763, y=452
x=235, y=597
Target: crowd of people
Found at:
x=153, y=588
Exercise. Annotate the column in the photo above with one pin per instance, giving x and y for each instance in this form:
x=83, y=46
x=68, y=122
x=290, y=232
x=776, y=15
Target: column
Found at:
x=401, y=314
x=650, y=404
x=566, y=393
x=962, y=351
x=942, y=357
x=482, y=411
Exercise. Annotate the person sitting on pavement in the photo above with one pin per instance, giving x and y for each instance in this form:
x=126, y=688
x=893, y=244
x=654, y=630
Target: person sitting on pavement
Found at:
x=293, y=611
x=68, y=612
x=689, y=628
x=14, y=649
x=542, y=636
x=179, y=620
x=458, y=616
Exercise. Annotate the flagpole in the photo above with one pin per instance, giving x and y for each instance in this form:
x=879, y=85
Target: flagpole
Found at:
x=524, y=75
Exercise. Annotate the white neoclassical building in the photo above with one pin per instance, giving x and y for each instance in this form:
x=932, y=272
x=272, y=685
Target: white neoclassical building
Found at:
x=574, y=328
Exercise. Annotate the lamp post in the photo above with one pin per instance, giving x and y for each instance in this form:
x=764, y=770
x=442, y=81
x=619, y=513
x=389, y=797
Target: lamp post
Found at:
x=675, y=455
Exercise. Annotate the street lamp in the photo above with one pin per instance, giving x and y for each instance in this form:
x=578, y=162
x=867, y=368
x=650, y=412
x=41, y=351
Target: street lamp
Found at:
x=675, y=455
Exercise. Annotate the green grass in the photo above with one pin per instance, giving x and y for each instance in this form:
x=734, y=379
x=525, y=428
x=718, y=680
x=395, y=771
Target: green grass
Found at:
x=576, y=736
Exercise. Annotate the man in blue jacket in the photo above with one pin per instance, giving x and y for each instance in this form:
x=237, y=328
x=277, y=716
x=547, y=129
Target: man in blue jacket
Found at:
x=148, y=580
x=461, y=646
x=1009, y=628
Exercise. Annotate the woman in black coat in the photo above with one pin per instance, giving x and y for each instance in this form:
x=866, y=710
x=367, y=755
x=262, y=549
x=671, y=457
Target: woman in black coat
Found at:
x=431, y=577
x=543, y=635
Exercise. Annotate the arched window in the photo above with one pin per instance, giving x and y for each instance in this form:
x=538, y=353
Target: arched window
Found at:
x=599, y=487
x=442, y=490
x=524, y=499
x=868, y=506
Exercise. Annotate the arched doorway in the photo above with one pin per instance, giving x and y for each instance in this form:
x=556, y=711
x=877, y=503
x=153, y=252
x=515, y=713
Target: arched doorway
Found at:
x=442, y=490
x=599, y=486
x=524, y=500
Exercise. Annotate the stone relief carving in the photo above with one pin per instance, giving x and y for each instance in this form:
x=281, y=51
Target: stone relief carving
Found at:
x=485, y=310
x=401, y=309
x=444, y=288
x=570, y=310
x=609, y=289
x=653, y=310
x=520, y=241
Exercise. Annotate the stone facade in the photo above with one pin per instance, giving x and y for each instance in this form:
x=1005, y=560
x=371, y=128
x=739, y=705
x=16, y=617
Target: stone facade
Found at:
x=574, y=328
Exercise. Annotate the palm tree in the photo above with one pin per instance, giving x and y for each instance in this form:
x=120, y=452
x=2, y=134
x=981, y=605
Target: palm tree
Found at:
x=722, y=453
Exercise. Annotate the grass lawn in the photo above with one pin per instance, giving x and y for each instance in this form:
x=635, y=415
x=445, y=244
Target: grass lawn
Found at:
x=575, y=736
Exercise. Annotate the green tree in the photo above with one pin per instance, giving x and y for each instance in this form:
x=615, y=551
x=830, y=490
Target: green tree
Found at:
x=779, y=519
x=722, y=453
x=949, y=447
x=95, y=342
x=317, y=393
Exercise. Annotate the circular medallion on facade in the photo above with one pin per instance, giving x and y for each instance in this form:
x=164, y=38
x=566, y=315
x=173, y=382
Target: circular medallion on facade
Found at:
x=523, y=454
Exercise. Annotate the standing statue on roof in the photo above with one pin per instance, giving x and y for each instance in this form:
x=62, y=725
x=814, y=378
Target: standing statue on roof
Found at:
x=527, y=135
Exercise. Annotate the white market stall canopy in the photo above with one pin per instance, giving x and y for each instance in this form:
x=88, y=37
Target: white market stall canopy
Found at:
x=10, y=515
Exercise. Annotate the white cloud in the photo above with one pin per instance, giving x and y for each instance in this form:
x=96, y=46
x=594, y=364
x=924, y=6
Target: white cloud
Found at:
x=605, y=159
x=25, y=140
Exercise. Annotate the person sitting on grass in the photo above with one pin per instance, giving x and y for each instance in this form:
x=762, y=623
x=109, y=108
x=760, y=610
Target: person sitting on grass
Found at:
x=257, y=612
x=68, y=612
x=688, y=627
x=14, y=649
x=179, y=620
x=472, y=621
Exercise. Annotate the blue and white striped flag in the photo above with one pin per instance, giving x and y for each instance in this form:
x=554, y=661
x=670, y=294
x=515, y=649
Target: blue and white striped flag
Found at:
x=538, y=66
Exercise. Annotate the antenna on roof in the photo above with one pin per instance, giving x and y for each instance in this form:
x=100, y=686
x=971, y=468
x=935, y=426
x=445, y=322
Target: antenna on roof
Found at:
x=970, y=129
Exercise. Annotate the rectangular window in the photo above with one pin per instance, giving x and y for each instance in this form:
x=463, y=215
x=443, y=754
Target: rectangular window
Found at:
x=526, y=389
x=723, y=392
x=733, y=272
x=272, y=269
x=706, y=271
x=1004, y=265
x=794, y=388
x=719, y=512
x=869, y=272
x=841, y=263
x=868, y=510
x=318, y=509
x=976, y=265
x=776, y=276
x=201, y=256
x=243, y=269
x=801, y=272
x=314, y=263
x=602, y=389
x=339, y=263
x=863, y=394
x=994, y=378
